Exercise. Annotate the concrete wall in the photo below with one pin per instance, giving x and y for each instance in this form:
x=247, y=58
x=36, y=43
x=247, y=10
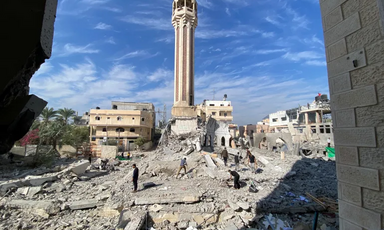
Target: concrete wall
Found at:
x=108, y=151
x=353, y=32
x=271, y=138
x=184, y=126
x=67, y=150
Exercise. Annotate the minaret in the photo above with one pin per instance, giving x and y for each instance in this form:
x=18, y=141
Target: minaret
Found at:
x=184, y=20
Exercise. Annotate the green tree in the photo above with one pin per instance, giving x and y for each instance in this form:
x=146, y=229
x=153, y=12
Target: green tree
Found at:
x=48, y=114
x=75, y=136
x=66, y=114
x=51, y=132
x=140, y=142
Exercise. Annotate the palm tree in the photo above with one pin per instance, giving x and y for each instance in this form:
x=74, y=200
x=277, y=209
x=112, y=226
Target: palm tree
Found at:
x=48, y=114
x=66, y=114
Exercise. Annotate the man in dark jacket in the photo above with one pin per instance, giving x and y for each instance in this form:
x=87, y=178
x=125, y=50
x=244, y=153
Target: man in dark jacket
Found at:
x=224, y=154
x=135, y=177
x=237, y=161
x=236, y=179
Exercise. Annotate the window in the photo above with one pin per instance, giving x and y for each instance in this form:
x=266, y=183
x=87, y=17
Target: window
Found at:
x=114, y=107
x=93, y=138
x=221, y=104
x=104, y=129
x=133, y=118
x=274, y=120
x=142, y=119
x=97, y=118
x=119, y=118
x=225, y=114
x=132, y=130
x=213, y=113
x=120, y=130
x=211, y=104
x=108, y=118
x=284, y=118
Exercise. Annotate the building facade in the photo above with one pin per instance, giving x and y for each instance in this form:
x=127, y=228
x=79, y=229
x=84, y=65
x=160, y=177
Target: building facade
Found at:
x=219, y=110
x=184, y=20
x=124, y=123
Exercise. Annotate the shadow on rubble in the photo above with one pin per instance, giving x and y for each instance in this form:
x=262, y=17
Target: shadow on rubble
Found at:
x=316, y=177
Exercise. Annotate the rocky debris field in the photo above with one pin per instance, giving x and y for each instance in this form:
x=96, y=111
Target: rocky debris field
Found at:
x=77, y=195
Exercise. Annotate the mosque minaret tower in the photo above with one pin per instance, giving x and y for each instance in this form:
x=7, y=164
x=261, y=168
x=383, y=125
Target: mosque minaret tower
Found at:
x=184, y=20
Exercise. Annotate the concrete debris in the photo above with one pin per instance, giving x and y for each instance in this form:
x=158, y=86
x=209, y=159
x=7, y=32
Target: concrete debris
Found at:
x=76, y=195
x=209, y=161
x=83, y=204
x=187, y=199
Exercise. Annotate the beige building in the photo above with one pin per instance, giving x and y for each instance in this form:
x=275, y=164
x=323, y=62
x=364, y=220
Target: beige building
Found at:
x=219, y=110
x=124, y=123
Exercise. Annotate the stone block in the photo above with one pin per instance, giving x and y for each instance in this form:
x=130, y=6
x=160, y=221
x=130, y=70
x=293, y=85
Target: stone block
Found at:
x=363, y=177
x=333, y=18
x=341, y=30
x=372, y=116
x=345, y=118
x=351, y=7
x=380, y=136
x=361, y=137
x=364, y=37
x=39, y=180
x=337, y=50
x=244, y=205
x=187, y=199
x=136, y=222
x=83, y=204
x=4, y=187
x=373, y=200
x=360, y=97
x=235, y=207
x=375, y=52
x=359, y=216
x=345, y=225
x=351, y=194
x=346, y=63
x=41, y=208
x=328, y=5
x=370, y=13
x=80, y=167
x=371, y=158
x=347, y=155
x=111, y=210
x=368, y=75
x=209, y=161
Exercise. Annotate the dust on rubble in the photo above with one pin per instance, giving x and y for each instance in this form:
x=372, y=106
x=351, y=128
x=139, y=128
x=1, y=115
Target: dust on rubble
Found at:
x=284, y=194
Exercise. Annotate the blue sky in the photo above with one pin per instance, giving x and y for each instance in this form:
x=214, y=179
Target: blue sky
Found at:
x=267, y=55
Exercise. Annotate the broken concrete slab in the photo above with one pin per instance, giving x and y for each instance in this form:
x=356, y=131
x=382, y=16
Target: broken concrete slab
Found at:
x=210, y=172
x=234, y=206
x=38, y=180
x=209, y=161
x=80, y=167
x=189, y=151
x=41, y=208
x=244, y=205
x=136, y=222
x=187, y=199
x=112, y=210
x=4, y=187
x=155, y=208
x=83, y=204
x=220, y=161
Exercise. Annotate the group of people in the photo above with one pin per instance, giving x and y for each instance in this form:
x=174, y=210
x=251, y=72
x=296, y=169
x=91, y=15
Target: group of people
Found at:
x=233, y=174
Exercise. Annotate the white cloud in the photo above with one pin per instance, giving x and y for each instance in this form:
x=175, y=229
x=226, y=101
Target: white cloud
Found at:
x=237, y=2
x=298, y=21
x=149, y=22
x=137, y=53
x=268, y=34
x=161, y=75
x=70, y=49
x=111, y=40
x=306, y=55
x=205, y=3
x=270, y=51
x=44, y=69
x=227, y=11
x=103, y=26
x=272, y=20
x=316, y=63
x=95, y=2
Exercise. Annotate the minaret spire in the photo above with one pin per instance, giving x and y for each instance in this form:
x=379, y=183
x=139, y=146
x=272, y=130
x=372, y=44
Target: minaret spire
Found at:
x=184, y=20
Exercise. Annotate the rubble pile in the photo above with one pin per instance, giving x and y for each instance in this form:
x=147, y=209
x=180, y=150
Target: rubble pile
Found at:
x=84, y=196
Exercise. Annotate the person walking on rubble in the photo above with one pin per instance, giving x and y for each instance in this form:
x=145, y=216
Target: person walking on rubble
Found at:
x=236, y=179
x=252, y=162
x=224, y=155
x=183, y=165
x=135, y=177
x=329, y=142
x=237, y=161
